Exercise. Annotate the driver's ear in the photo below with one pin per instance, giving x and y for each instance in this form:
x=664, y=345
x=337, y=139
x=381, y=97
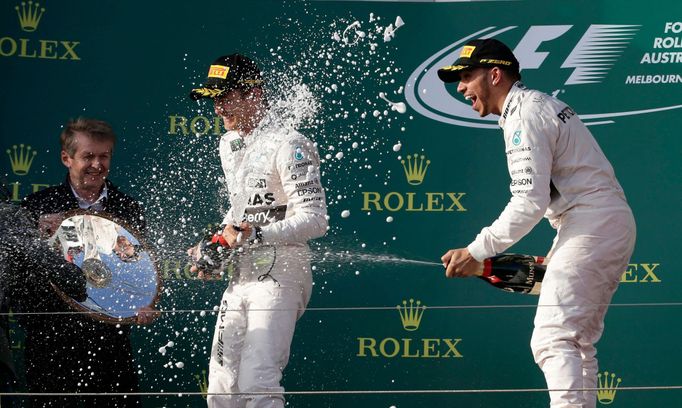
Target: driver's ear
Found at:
x=495, y=75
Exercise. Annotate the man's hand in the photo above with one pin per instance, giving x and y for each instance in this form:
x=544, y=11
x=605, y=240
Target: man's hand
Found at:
x=233, y=236
x=49, y=223
x=146, y=315
x=459, y=263
x=194, y=254
x=237, y=236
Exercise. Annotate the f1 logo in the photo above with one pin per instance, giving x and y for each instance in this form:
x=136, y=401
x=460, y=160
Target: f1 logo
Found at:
x=600, y=43
x=526, y=51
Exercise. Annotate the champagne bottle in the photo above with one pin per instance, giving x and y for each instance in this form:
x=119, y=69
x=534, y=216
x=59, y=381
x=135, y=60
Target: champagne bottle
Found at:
x=514, y=272
x=213, y=253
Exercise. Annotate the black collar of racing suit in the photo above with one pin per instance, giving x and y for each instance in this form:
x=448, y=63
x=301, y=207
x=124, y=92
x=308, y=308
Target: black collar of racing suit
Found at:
x=517, y=87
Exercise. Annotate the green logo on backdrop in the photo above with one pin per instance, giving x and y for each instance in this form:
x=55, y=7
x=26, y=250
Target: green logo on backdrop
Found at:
x=641, y=273
x=21, y=158
x=411, y=314
x=608, y=385
x=415, y=168
x=203, y=383
x=29, y=15
x=197, y=126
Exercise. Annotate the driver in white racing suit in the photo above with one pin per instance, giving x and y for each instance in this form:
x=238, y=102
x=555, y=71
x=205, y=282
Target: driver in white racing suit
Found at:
x=277, y=204
x=557, y=170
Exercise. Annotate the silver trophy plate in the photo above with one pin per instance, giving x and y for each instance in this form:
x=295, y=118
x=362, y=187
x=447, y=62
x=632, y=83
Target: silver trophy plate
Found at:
x=120, y=269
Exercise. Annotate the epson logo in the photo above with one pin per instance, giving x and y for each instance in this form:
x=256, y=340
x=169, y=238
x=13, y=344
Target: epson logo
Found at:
x=521, y=182
x=588, y=63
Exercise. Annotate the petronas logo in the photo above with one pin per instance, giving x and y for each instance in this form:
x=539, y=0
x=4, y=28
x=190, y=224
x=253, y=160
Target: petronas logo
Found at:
x=29, y=15
x=608, y=385
x=21, y=159
x=415, y=169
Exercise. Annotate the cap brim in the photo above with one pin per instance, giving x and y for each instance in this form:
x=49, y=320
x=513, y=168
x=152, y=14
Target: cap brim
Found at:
x=199, y=93
x=451, y=72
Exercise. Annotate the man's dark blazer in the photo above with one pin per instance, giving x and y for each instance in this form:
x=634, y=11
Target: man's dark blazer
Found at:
x=60, y=198
x=63, y=350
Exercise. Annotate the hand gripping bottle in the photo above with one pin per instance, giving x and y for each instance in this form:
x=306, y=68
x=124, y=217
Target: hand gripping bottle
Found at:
x=213, y=252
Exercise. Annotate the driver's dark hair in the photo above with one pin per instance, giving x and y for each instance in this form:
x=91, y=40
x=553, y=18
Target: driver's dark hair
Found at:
x=512, y=72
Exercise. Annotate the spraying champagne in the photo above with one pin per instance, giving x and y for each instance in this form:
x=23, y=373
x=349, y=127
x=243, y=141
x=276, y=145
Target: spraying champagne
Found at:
x=508, y=272
x=514, y=272
x=213, y=252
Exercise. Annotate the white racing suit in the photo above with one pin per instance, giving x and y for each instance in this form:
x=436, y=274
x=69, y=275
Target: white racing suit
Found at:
x=273, y=177
x=558, y=170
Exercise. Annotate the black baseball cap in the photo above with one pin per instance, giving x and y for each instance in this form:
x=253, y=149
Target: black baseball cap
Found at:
x=480, y=53
x=228, y=72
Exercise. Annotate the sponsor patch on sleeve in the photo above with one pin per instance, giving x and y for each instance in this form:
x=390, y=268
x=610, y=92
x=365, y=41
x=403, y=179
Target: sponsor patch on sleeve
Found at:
x=516, y=139
x=520, y=186
x=237, y=144
x=298, y=153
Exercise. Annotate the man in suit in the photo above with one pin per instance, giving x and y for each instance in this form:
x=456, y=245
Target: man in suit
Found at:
x=72, y=352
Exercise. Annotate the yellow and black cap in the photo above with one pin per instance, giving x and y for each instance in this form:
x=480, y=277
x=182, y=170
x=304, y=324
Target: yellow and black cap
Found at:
x=480, y=53
x=228, y=72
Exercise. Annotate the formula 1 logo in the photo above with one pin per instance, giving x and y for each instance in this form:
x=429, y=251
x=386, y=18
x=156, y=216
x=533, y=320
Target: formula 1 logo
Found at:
x=585, y=67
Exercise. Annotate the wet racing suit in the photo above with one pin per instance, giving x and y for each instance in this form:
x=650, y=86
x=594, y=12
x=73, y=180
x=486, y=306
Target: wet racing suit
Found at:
x=273, y=177
x=558, y=170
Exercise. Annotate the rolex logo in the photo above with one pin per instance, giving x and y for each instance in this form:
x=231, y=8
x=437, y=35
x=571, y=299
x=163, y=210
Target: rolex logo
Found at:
x=415, y=169
x=608, y=385
x=411, y=315
x=203, y=383
x=21, y=159
x=407, y=347
x=29, y=15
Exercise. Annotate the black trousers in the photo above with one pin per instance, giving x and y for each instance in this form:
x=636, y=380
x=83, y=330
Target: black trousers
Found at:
x=75, y=354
